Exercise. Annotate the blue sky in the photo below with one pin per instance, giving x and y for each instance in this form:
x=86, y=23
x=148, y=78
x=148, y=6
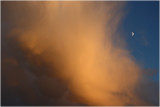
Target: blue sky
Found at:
x=142, y=18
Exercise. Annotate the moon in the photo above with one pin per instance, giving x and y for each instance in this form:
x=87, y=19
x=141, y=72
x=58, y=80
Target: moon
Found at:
x=132, y=34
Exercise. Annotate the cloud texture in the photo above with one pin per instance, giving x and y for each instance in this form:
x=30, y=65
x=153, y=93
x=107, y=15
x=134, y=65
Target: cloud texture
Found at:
x=67, y=53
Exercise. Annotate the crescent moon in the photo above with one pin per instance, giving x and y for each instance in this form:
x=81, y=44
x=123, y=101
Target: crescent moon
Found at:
x=132, y=33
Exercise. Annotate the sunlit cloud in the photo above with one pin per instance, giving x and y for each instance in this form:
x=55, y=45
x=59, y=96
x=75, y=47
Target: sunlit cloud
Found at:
x=67, y=51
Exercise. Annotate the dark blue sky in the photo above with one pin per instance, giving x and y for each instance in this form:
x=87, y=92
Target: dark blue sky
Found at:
x=142, y=18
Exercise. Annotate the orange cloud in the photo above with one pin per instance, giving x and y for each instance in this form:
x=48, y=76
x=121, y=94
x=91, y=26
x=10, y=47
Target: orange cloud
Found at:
x=75, y=42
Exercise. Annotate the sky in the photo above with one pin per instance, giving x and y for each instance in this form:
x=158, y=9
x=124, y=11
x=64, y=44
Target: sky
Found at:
x=80, y=53
x=143, y=20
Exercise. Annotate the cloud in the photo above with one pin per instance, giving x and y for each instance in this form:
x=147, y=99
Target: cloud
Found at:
x=64, y=53
x=144, y=41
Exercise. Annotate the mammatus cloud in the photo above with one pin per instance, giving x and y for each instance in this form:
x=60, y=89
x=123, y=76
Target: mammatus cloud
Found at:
x=64, y=53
